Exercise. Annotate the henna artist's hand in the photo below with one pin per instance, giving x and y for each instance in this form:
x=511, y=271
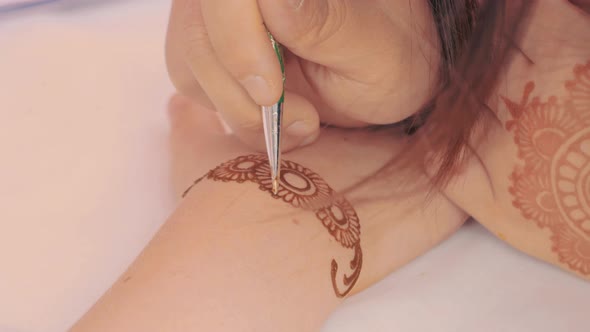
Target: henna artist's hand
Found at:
x=348, y=62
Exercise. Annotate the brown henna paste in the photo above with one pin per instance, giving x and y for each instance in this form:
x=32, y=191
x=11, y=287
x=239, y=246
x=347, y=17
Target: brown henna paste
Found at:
x=302, y=188
x=552, y=188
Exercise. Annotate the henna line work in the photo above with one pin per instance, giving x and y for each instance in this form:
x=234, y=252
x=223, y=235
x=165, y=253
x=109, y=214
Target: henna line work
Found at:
x=305, y=190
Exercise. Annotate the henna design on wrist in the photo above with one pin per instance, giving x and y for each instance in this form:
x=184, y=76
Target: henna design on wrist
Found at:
x=552, y=188
x=302, y=188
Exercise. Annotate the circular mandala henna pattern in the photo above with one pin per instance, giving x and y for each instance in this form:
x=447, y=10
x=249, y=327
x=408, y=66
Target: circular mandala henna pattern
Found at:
x=570, y=178
x=540, y=131
x=553, y=187
x=298, y=185
x=239, y=170
x=342, y=222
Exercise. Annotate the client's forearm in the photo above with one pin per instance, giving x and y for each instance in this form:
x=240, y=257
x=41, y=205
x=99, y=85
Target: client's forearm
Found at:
x=233, y=258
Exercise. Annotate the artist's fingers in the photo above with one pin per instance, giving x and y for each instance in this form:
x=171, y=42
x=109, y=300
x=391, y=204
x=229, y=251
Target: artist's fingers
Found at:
x=188, y=30
x=188, y=36
x=301, y=125
x=180, y=74
x=240, y=40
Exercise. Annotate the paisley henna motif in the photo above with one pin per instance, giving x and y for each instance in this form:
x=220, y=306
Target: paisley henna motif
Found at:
x=553, y=187
x=302, y=188
x=348, y=281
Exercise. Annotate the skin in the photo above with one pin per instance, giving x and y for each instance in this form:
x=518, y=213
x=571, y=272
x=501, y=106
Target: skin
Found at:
x=508, y=184
x=231, y=251
x=262, y=255
x=303, y=189
x=328, y=43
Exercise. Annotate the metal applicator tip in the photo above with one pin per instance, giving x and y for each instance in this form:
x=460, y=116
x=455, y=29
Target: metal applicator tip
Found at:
x=275, y=186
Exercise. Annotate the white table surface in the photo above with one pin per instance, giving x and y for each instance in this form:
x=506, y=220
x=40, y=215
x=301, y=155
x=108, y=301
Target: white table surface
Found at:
x=84, y=185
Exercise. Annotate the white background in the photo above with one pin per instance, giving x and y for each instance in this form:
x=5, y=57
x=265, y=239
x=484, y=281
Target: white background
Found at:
x=84, y=185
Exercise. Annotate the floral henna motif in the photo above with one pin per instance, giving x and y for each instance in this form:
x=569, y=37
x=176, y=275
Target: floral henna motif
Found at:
x=302, y=188
x=553, y=186
x=342, y=222
x=238, y=170
x=540, y=130
x=533, y=196
x=572, y=249
x=298, y=185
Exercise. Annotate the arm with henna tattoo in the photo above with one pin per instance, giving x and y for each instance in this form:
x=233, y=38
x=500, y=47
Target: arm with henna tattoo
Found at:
x=235, y=257
x=551, y=186
x=302, y=188
x=528, y=180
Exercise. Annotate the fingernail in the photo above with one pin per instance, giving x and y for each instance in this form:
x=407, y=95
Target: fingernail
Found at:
x=300, y=129
x=257, y=87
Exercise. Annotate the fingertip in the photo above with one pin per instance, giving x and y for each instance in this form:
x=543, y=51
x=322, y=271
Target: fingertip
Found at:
x=302, y=122
x=301, y=116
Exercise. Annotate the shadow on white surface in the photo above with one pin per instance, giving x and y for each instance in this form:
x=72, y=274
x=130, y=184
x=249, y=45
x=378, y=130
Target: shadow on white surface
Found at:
x=84, y=148
x=472, y=282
